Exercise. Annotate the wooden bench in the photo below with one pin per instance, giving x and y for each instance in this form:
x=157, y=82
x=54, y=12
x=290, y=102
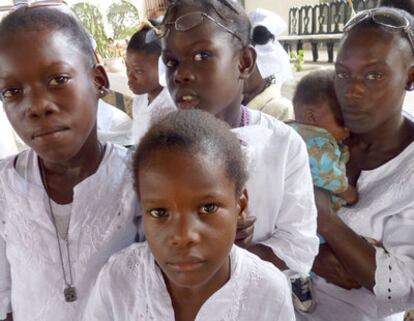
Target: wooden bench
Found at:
x=320, y=24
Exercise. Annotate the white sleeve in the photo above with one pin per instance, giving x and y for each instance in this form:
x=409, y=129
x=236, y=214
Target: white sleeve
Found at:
x=98, y=307
x=5, y=281
x=394, y=276
x=294, y=239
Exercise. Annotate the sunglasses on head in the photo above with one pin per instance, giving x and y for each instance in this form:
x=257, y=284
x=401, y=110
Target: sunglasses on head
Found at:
x=45, y=3
x=386, y=18
x=184, y=23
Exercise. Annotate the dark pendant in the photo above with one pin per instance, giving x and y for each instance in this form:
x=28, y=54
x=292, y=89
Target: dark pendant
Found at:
x=70, y=294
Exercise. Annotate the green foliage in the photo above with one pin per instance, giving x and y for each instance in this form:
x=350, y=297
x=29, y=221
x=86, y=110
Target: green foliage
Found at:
x=124, y=18
x=299, y=59
x=92, y=20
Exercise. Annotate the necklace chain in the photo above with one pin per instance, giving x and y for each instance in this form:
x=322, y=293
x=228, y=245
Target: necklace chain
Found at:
x=69, y=291
x=244, y=120
x=69, y=284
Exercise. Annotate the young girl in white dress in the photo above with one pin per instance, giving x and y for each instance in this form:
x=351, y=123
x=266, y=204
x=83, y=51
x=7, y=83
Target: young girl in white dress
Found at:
x=189, y=175
x=152, y=99
x=66, y=203
x=205, y=47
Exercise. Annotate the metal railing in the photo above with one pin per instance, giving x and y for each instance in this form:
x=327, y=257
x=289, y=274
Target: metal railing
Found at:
x=326, y=18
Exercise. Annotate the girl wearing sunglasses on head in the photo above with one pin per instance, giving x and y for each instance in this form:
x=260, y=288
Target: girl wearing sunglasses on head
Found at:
x=365, y=271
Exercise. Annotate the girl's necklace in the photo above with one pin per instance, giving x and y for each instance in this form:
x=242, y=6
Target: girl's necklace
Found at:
x=69, y=292
x=244, y=121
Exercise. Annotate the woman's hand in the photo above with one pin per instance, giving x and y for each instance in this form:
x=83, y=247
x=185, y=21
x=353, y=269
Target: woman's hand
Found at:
x=328, y=266
x=323, y=205
x=326, y=263
x=350, y=261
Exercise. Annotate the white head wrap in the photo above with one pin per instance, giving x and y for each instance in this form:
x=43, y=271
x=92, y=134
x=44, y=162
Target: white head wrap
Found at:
x=272, y=59
x=162, y=72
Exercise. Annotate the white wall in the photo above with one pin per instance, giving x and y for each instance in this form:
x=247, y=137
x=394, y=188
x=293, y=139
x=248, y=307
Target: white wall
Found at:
x=281, y=7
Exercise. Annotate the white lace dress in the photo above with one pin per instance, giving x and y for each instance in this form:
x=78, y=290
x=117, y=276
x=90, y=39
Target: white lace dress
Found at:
x=131, y=287
x=101, y=224
x=384, y=212
x=280, y=190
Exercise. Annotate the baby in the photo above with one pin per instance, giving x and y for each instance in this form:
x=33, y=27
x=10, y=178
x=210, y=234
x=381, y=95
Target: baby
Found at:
x=319, y=122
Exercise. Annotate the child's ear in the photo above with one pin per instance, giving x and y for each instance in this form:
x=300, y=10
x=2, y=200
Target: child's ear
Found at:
x=409, y=86
x=310, y=116
x=101, y=80
x=243, y=202
x=247, y=62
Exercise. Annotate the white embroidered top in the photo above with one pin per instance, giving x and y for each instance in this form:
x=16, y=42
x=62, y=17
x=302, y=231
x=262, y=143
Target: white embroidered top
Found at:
x=101, y=224
x=384, y=212
x=131, y=287
x=280, y=190
x=144, y=113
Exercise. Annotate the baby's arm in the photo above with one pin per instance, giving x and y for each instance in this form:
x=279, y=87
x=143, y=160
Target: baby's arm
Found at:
x=350, y=195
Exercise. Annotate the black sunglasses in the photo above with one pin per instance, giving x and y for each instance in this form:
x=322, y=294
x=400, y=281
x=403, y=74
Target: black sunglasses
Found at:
x=386, y=18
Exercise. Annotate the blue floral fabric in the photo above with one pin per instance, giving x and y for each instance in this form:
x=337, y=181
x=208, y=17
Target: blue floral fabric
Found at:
x=327, y=160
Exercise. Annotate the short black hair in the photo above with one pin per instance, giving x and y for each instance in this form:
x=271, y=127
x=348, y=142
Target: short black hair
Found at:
x=230, y=13
x=407, y=5
x=138, y=41
x=261, y=35
x=194, y=131
x=314, y=89
x=48, y=18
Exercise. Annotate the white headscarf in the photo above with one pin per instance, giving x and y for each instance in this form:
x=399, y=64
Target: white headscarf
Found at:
x=162, y=73
x=272, y=59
